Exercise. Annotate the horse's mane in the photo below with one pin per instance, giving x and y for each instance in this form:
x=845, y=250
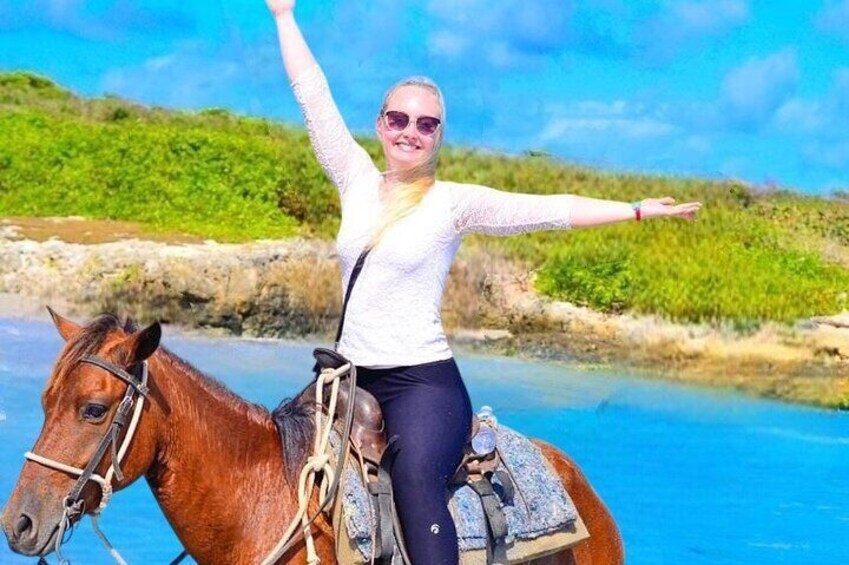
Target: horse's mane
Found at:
x=294, y=420
x=293, y=417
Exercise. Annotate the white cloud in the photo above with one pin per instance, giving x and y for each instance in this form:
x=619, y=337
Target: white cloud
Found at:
x=159, y=63
x=754, y=91
x=629, y=128
x=709, y=17
x=837, y=100
x=797, y=115
x=627, y=135
x=187, y=78
x=445, y=43
x=465, y=13
x=61, y=8
x=513, y=32
x=100, y=20
x=613, y=120
x=504, y=34
x=834, y=18
x=673, y=27
x=832, y=155
x=826, y=117
x=699, y=144
x=596, y=108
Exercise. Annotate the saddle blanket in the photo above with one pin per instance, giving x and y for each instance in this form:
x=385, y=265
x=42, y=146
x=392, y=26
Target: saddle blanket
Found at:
x=540, y=504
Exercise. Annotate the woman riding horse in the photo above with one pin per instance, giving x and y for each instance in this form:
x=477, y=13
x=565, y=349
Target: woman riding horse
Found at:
x=412, y=225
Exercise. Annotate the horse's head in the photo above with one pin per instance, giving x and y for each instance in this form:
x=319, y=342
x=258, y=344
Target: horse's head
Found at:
x=80, y=402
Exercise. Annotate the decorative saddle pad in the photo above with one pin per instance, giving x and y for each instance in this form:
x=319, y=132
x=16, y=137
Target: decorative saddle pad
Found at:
x=540, y=504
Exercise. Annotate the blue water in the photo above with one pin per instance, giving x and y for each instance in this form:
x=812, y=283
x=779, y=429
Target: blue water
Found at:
x=692, y=476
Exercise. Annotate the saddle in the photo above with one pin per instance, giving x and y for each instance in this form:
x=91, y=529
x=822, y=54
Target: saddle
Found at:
x=369, y=446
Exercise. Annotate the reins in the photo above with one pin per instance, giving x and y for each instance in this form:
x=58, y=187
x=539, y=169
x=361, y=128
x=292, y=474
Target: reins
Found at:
x=319, y=460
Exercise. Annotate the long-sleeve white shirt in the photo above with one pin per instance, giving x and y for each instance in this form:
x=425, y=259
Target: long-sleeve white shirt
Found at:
x=394, y=313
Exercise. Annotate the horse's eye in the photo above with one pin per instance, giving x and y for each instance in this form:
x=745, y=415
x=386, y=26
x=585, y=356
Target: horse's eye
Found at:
x=94, y=412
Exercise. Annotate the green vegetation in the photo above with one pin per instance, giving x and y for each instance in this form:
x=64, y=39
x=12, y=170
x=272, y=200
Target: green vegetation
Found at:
x=754, y=255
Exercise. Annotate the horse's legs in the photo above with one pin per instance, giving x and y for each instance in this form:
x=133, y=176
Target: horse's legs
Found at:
x=604, y=546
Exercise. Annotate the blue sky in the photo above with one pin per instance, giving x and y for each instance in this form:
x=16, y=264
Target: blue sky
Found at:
x=754, y=90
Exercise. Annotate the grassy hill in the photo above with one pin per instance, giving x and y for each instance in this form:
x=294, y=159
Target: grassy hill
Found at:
x=754, y=255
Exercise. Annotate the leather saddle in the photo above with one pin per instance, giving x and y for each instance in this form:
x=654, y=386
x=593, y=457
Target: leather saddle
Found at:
x=368, y=432
x=369, y=444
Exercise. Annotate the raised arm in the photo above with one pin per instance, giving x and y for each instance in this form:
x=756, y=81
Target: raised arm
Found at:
x=480, y=209
x=297, y=56
x=339, y=154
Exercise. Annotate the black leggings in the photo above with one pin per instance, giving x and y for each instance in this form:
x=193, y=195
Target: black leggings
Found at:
x=428, y=408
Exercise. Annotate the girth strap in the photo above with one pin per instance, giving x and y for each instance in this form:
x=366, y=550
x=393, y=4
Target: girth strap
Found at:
x=508, y=488
x=495, y=518
x=381, y=490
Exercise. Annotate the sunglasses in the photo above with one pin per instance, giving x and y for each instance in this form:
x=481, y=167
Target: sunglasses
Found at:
x=398, y=121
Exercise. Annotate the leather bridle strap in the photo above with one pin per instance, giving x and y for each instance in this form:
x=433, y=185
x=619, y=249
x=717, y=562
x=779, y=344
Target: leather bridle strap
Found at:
x=73, y=505
x=139, y=384
x=111, y=438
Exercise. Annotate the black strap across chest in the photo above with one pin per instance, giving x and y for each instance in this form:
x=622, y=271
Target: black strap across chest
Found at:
x=355, y=273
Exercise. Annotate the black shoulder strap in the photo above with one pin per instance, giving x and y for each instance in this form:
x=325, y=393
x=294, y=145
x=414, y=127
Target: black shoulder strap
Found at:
x=358, y=266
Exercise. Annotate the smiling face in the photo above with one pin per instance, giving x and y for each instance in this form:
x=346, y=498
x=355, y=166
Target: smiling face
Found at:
x=408, y=148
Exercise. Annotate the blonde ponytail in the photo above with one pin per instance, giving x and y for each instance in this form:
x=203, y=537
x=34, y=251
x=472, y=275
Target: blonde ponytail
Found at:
x=404, y=197
x=409, y=186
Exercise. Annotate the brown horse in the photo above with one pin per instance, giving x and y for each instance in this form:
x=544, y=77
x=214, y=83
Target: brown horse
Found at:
x=215, y=462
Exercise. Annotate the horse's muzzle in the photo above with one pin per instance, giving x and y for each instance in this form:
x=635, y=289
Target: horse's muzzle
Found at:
x=25, y=535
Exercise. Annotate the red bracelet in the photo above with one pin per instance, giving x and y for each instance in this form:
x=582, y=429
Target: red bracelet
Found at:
x=638, y=215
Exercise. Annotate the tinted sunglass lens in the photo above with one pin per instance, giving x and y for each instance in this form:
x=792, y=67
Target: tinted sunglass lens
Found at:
x=427, y=126
x=397, y=120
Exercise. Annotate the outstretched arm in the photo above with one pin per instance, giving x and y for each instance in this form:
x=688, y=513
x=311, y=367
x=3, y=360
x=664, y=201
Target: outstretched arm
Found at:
x=591, y=212
x=480, y=209
x=339, y=154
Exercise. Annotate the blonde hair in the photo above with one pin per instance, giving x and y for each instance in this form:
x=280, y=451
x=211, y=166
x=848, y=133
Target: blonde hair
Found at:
x=409, y=186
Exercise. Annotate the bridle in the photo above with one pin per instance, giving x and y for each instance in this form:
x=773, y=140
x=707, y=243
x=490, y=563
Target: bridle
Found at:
x=130, y=409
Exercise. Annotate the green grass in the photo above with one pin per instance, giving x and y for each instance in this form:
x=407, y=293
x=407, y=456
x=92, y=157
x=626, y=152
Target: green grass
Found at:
x=725, y=267
x=752, y=256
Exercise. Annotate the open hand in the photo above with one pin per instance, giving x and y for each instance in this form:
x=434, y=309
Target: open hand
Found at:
x=280, y=7
x=666, y=208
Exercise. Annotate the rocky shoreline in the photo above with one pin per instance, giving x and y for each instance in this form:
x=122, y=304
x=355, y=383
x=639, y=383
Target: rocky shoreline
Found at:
x=291, y=288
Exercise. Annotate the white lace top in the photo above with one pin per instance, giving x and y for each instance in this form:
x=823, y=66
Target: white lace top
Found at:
x=394, y=313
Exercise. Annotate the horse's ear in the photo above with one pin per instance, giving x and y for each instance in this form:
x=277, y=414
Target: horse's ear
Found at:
x=67, y=329
x=141, y=344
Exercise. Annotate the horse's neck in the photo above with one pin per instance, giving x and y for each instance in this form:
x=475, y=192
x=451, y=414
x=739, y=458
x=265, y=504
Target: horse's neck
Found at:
x=218, y=468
